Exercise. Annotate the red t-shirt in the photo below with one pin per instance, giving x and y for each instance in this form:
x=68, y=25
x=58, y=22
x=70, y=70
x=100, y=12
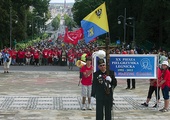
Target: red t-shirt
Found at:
x=36, y=55
x=86, y=80
x=164, y=75
x=71, y=57
x=14, y=54
x=28, y=54
x=45, y=54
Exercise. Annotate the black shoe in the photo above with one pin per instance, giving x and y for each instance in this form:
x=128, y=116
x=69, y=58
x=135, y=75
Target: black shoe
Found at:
x=132, y=88
x=127, y=88
x=145, y=104
x=155, y=106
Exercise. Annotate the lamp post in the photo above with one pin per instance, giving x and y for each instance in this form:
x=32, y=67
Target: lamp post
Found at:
x=124, y=24
x=133, y=26
x=10, y=42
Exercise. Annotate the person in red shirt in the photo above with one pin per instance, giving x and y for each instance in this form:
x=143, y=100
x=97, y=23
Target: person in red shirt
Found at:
x=45, y=56
x=55, y=57
x=21, y=56
x=36, y=56
x=71, y=60
x=86, y=82
x=50, y=56
x=13, y=57
x=164, y=81
x=28, y=55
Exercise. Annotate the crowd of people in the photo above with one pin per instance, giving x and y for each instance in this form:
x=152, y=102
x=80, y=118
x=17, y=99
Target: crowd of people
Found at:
x=57, y=53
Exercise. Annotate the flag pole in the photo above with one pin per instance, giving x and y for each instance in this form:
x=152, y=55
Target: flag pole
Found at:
x=107, y=43
x=107, y=62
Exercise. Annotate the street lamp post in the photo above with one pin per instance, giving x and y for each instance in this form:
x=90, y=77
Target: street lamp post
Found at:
x=133, y=26
x=10, y=42
x=124, y=24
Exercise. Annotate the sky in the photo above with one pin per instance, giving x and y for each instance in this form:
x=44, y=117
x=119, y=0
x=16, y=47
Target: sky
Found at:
x=61, y=1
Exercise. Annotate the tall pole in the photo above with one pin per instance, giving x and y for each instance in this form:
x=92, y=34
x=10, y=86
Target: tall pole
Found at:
x=10, y=42
x=107, y=41
x=124, y=26
x=134, y=32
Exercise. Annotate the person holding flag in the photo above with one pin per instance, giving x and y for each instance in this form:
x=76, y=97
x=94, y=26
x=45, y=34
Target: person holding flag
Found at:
x=99, y=90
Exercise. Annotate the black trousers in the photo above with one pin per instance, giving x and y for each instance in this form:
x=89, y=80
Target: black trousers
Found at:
x=133, y=83
x=151, y=90
x=103, y=106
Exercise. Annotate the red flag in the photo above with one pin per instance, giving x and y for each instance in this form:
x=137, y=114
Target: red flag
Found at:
x=73, y=36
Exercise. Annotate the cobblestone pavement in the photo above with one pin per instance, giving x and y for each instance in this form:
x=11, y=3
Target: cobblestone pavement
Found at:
x=33, y=95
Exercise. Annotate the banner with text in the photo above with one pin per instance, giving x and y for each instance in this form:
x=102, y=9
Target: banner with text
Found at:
x=132, y=66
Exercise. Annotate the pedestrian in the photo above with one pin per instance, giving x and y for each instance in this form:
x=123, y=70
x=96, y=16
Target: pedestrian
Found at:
x=154, y=87
x=1, y=58
x=71, y=60
x=6, y=61
x=164, y=81
x=129, y=80
x=86, y=81
x=100, y=90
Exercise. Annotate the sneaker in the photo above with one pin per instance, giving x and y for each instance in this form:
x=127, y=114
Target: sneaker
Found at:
x=145, y=104
x=83, y=107
x=127, y=88
x=89, y=107
x=132, y=88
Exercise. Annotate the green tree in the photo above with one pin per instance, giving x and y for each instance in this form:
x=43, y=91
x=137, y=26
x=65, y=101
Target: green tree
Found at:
x=152, y=20
x=56, y=23
x=69, y=22
x=19, y=12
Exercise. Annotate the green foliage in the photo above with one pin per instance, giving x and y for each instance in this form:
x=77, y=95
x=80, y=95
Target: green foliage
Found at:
x=152, y=19
x=20, y=11
x=56, y=23
x=27, y=43
x=69, y=22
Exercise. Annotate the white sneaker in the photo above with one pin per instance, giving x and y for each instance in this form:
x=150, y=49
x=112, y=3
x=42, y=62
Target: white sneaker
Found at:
x=83, y=107
x=89, y=107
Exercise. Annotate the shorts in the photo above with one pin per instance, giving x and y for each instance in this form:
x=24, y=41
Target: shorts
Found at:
x=7, y=64
x=165, y=93
x=86, y=90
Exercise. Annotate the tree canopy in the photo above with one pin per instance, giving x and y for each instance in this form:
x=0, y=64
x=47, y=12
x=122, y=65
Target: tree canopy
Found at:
x=19, y=12
x=152, y=19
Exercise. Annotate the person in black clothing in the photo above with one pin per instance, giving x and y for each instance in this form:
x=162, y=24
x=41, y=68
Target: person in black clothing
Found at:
x=133, y=80
x=99, y=87
x=128, y=84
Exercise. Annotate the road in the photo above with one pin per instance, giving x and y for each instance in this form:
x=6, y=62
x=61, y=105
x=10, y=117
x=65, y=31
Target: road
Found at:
x=52, y=93
x=40, y=68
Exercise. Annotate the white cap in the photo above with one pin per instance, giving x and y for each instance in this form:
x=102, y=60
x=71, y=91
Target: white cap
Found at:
x=165, y=63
